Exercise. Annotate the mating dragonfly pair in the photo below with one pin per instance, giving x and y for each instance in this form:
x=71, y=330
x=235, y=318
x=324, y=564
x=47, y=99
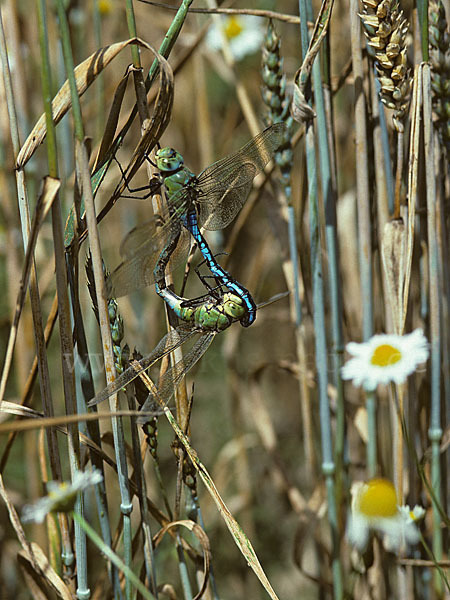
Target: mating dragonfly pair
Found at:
x=211, y=200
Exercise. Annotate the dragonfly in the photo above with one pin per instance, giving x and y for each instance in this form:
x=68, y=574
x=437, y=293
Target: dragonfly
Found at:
x=203, y=317
x=211, y=200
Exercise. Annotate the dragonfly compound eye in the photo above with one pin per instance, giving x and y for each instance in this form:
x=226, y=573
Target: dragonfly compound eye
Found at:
x=168, y=159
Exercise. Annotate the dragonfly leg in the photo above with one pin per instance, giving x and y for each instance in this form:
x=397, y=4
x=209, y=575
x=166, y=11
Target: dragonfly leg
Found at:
x=153, y=186
x=192, y=302
x=204, y=278
x=202, y=262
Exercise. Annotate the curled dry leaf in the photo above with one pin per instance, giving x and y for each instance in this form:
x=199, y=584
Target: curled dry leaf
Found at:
x=85, y=74
x=151, y=129
x=113, y=120
x=204, y=542
x=48, y=194
x=301, y=111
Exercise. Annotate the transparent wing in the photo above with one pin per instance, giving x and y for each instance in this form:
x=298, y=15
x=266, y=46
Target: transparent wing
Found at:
x=220, y=207
x=175, y=374
x=230, y=178
x=136, y=237
x=141, y=250
x=167, y=344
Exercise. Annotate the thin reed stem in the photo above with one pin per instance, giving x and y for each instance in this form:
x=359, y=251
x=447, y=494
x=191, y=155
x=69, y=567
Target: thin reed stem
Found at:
x=112, y=556
x=435, y=430
x=329, y=194
x=399, y=396
x=328, y=465
x=422, y=11
x=364, y=221
x=65, y=327
x=100, y=87
x=84, y=181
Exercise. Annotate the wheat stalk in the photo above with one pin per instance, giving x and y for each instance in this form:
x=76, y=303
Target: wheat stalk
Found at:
x=386, y=28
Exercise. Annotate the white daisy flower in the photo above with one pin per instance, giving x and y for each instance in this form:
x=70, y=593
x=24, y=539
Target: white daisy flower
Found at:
x=407, y=532
x=61, y=496
x=244, y=34
x=374, y=508
x=385, y=358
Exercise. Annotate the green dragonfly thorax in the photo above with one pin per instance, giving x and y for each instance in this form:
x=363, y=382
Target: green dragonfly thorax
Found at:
x=218, y=317
x=176, y=182
x=212, y=315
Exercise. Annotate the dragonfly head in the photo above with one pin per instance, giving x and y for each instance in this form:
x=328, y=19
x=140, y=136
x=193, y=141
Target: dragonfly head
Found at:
x=168, y=160
x=233, y=306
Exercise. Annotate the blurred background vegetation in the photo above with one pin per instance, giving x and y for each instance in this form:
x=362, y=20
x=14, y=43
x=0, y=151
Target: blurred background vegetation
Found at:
x=259, y=392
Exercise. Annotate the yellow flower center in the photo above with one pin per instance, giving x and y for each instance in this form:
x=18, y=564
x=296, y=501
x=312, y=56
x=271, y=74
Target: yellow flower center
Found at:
x=385, y=355
x=105, y=7
x=62, y=487
x=378, y=499
x=233, y=28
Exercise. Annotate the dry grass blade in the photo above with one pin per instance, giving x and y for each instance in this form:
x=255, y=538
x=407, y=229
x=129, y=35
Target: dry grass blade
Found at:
x=267, y=14
x=44, y=203
x=46, y=574
x=35, y=419
x=15, y=522
x=113, y=119
x=241, y=540
x=29, y=384
x=11, y=408
x=412, y=179
x=394, y=256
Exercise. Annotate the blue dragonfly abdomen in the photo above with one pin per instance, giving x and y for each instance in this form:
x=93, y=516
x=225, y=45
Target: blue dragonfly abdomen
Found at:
x=223, y=277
